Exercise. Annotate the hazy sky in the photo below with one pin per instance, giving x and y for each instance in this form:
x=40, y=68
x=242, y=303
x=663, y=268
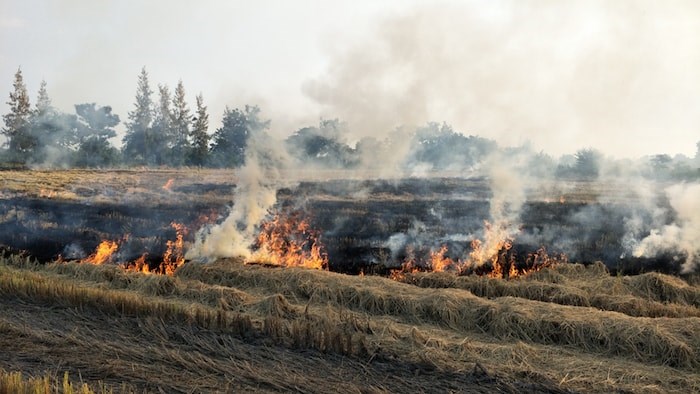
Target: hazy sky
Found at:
x=620, y=76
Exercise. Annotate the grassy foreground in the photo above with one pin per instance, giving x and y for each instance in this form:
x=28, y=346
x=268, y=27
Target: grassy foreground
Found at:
x=226, y=327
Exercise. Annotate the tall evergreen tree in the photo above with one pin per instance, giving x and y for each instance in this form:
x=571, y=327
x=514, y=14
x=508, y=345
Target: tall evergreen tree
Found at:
x=199, y=136
x=139, y=142
x=163, y=125
x=55, y=133
x=43, y=102
x=180, y=126
x=17, y=130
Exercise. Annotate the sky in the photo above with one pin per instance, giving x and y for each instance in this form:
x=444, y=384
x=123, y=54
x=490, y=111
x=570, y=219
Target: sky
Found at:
x=619, y=76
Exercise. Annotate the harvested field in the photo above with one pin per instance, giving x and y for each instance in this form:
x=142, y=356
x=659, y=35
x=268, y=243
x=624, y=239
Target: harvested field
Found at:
x=227, y=326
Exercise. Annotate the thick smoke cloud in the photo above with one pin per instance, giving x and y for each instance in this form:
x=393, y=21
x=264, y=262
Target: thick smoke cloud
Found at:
x=593, y=72
x=683, y=234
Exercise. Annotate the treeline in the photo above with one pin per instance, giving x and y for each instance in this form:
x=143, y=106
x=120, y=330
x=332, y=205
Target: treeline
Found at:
x=162, y=130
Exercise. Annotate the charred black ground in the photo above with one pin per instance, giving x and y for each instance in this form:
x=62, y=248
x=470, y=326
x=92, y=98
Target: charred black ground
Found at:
x=355, y=217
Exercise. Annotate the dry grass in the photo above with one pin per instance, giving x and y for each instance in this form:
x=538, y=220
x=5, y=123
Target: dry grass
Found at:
x=99, y=186
x=17, y=383
x=503, y=317
x=231, y=326
x=646, y=295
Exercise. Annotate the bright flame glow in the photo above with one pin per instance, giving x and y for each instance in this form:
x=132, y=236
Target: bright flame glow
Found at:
x=289, y=241
x=103, y=253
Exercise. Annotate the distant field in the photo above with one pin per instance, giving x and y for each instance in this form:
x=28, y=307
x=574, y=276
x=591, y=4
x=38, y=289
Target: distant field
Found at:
x=227, y=326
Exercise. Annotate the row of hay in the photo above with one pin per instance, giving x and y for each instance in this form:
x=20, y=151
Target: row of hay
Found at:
x=33, y=286
x=663, y=288
x=226, y=298
x=647, y=295
x=509, y=318
x=271, y=317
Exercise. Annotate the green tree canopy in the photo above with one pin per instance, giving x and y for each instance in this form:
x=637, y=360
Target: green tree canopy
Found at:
x=17, y=128
x=231, y=139
x=199, y=134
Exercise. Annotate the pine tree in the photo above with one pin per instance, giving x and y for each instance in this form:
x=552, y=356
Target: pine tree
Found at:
x=199, y=136
x=43, y=102
x=45, y=125
x=181, y=126
x=163, y=126
x=139, y=141
x=55, y=134
x=17, y=130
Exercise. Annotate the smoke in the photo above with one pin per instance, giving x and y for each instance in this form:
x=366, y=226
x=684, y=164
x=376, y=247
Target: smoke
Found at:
x=516, y=71
x=255, y=194
x=681, y=235
x=508, y=181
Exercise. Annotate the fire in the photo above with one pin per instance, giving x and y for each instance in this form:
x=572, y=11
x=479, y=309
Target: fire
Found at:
x=103, y=253
x=541, y=259
x=174, y=255
x=439, y=262
x=168, y=185
x=44, y=193
x=138, y=265
x=500, y=264
x=289, y=241
x=503, y=264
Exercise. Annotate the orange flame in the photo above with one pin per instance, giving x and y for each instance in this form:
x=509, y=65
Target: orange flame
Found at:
x=439, y=262
x=168, y=185
x=174, y=255
x=103, y=253
x=289, y=241
x=44, y=193
x=138, y=265
x=501, y=265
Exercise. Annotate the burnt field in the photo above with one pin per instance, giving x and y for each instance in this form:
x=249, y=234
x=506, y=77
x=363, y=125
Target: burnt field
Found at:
x=596, y=320
x=360, y=222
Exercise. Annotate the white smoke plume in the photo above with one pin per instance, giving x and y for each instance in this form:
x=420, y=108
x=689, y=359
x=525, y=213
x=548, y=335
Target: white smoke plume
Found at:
x=255, y=194
x=508, y=184
x=683, y=234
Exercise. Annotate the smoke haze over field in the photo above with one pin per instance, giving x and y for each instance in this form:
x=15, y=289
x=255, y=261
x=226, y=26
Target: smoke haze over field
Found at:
x=617, y=76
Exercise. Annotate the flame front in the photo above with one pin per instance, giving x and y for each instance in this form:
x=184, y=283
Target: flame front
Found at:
x=288, y=241
x=492, y=257
x=439, y=262
x=103, y=253
x=139, y=265
x=174, y=255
